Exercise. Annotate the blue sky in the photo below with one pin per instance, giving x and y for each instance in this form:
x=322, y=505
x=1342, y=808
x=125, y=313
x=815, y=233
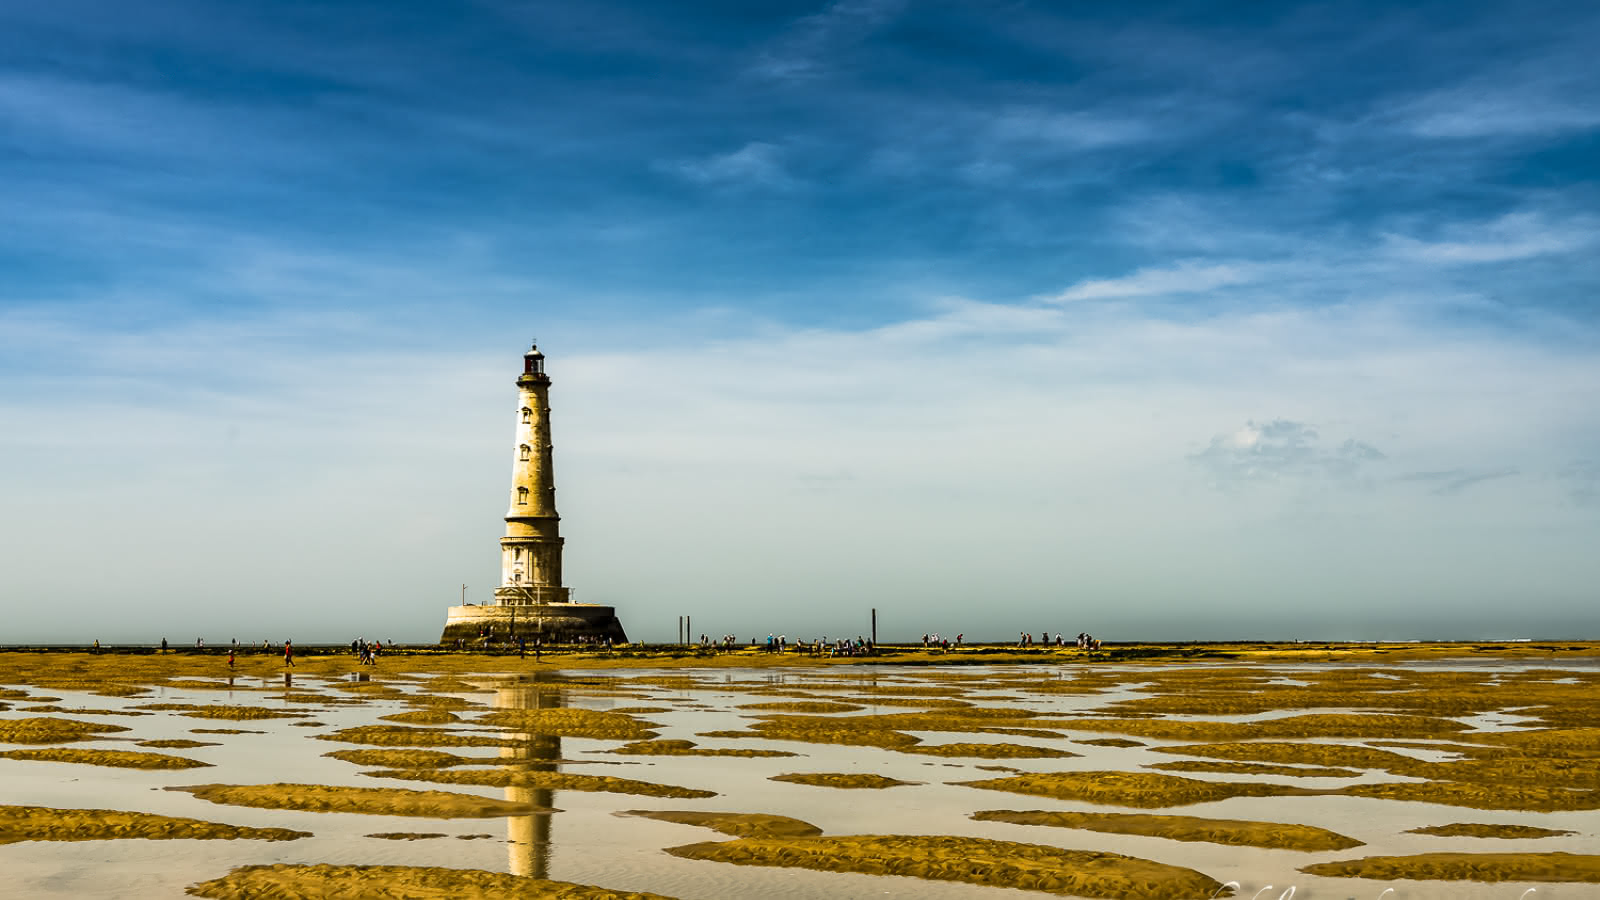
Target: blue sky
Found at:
x=1175, y=320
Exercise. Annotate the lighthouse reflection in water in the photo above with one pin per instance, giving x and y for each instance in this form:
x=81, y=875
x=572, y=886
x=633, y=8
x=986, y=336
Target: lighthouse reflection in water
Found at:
x=529, y=836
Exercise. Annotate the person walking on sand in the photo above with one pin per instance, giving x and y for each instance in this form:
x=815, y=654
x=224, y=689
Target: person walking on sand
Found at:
x=288, y=653
x=230, y=659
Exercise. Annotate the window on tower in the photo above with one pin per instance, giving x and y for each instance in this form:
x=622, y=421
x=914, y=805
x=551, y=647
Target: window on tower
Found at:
x=522, y=496
x=527, y=453
x=527, y=415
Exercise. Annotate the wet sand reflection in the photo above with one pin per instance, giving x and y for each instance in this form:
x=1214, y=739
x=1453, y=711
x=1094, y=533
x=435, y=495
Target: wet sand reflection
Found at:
x=529, y=836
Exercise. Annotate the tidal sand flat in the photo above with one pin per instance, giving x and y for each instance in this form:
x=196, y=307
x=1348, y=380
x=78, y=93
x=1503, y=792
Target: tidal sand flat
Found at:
x=1481, y=830
x=972, y=860
x=121, y=759
x=37, y=823
x=1488, y=867
x=735, y=824
x=49, y=730
x=866, y=781
x=1282, y=759
x=373, y=801
x=1141, y=790
x=396, y=883
x=1267, y=835
x=548, y=781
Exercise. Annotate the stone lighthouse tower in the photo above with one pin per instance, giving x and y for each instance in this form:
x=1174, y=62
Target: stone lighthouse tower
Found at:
x=530, y=553
x=531, y=601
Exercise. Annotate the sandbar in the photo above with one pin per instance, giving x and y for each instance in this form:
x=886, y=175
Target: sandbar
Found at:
x=1235, y=832
x=970, y=860
x=302, y=882
x=367, y=801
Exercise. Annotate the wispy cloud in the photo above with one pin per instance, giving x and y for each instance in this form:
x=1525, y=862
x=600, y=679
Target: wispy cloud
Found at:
x=1188, y=277
x=1277, y=451
x=1582, y=479
x=807, y=48
x=756, y=163
x=1454, y=481
x=1511, y=237
x=1480, y=111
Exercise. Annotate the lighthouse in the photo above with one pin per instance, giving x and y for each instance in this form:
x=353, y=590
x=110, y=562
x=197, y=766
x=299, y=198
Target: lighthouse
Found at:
x=530, y=552
x=531, y=601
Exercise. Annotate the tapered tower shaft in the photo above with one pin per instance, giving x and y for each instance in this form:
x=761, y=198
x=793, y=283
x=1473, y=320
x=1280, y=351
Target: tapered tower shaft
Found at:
x=530, y=552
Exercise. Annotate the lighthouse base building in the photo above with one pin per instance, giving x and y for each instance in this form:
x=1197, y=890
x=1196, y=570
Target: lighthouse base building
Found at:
x=531, y=601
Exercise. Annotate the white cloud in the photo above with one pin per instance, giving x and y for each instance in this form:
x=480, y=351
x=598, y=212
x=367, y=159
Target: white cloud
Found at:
x=1278, y=450
x=1187, y=277
x=806, y=49
x=756, y=163
x=1511, y=237
x=1472, y=114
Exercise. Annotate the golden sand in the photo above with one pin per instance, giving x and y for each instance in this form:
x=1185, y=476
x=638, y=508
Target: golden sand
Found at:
x=38, y=823
x=989, y=751
x=50, y=730
x=227, y=682
x=970, y=860
x=82, y=710
x=242, y=713
x=1510, y=832
x=550, y=781
x=1235, y=832
x=121, y=759
x=368, y=801
x=734, y=824
x=570, y=722
x=1467, y=867
x=177, y=744
x=1246, y=768
x=1335, y=755
x=1140, y=790
x=688, y=748
x=224, y=731
x=132, y=674
x=918, y=702
x=804, y=706
x=404, y=736
x=423, y=717
x=1337, y=725
x=1480, y=796
x=1555, y=743
x=888, y=729
x=292, y=882
x=1109, y=742
x=818, y=733
x=1532, y=770
x=441, y=701
x=841, y=780
x=411, y=759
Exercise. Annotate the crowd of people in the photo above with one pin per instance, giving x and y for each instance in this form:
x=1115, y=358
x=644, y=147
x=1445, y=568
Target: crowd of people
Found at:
x=366, y=653
x=1085, y=641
